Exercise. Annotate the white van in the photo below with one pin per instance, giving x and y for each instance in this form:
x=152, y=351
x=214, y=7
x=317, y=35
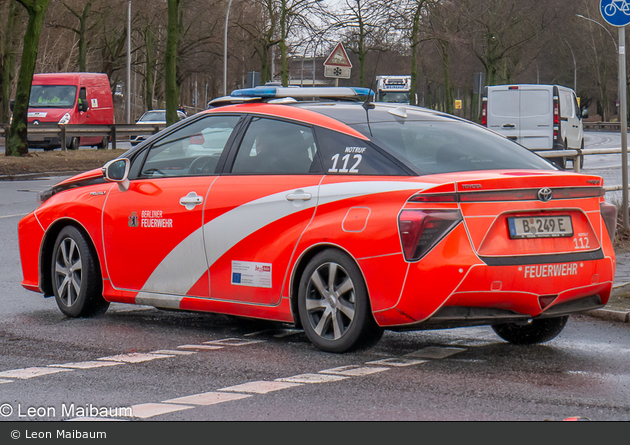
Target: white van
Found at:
x=539, y=117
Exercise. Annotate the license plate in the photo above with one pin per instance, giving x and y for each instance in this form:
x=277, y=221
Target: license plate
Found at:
x=540, y=226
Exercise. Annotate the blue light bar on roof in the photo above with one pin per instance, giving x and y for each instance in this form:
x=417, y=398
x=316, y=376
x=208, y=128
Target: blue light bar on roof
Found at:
x=322, y=92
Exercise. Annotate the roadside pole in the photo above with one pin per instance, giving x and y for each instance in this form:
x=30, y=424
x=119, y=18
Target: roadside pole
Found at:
x=623, y=119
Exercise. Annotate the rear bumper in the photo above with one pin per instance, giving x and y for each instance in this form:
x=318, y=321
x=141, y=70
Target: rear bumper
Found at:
x=458, y=316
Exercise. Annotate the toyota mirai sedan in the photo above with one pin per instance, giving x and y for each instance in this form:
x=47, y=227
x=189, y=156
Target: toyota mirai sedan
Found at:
x=341, y=216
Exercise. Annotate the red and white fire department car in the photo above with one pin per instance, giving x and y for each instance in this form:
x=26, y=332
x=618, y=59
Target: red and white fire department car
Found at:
x=343, y=217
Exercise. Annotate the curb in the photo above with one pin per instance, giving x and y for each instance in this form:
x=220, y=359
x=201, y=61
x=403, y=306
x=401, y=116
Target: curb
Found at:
x=619, y=290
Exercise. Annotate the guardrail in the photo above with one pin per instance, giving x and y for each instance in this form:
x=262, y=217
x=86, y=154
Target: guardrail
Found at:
x=602, y=126
x=114, y=131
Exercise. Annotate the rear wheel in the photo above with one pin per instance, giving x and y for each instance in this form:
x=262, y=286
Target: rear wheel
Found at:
x=561, y=161
x=333, y=304
x=532, y=332
x=104, y=143
x=77, y=282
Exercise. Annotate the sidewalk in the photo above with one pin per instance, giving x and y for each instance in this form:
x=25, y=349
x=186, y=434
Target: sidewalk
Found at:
x=618, y=307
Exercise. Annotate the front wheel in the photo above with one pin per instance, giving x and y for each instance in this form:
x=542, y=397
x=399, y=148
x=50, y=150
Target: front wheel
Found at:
x=74, y=144
x=333, y=304
x=533, y=332
x=77, y=282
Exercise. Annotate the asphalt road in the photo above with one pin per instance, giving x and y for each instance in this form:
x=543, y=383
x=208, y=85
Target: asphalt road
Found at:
x=176, y=366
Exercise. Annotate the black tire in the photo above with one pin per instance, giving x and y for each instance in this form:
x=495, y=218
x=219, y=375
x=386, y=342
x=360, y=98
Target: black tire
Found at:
x=76, y=279
x=536, y=331
x=104, y=143
x=582, y=156
x=333, y=321
x=74, y=144
x=561, y=162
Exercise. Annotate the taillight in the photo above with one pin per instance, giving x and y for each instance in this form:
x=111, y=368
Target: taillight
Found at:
x=556, y=118
x=484, y=112
x=421, y=230
x=609, y=214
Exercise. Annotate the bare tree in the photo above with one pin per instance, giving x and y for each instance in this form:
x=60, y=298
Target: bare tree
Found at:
x=7, y=59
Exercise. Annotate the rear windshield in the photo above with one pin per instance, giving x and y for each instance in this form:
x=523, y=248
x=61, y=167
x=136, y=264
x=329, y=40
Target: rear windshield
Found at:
x=52, y=96
x=450, y=146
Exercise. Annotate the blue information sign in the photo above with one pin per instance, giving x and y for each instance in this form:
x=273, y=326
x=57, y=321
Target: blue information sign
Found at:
x=615, y=12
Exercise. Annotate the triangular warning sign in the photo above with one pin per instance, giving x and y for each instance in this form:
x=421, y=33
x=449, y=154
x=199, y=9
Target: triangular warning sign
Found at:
x=338, y=57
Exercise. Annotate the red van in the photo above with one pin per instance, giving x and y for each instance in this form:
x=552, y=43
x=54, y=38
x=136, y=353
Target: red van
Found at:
x=70, y=98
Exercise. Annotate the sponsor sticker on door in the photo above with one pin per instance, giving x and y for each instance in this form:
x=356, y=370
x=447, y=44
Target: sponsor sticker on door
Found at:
x=247, y=273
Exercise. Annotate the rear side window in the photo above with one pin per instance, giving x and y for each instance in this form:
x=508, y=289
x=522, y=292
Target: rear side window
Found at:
x=347, y=155
x=276, y=147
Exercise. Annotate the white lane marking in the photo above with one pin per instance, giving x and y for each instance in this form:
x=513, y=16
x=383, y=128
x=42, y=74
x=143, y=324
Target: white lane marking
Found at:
x=354, y=370
x=146, y=410
x=5, y=381
x=435, y=352
x=133, y=357
x=87, y=365
x=312, y=378
x=173, y=352
x=207, y=398
x=96, y=419
x=397, y=361
x=200, y=347
x=13, y=216
x=260, y=387
x=28, y=373
x=231, y=342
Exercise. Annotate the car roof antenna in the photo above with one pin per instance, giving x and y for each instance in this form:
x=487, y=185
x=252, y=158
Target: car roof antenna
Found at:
x=367, y=105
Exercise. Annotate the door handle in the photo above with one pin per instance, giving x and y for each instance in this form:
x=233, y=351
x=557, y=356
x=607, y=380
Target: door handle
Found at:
x=191, y=200
x=508, y=125
x=299, y=195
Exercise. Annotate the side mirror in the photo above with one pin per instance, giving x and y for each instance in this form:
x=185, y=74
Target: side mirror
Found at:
x=585, y=113
x=117, y=170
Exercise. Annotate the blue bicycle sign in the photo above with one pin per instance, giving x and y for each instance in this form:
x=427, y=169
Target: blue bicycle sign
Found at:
x=615, y=12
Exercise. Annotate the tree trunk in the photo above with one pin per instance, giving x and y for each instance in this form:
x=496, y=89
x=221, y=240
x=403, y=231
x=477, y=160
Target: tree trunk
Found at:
x=284, y=64
x=8, y=63
x=170, y=63
x=149, y=68
x=83, y=37
x=16, y=144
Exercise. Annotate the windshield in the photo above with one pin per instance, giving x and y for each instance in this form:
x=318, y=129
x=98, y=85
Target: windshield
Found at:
x=53, y=96
x=153, y=116
x=451, y=146
x=394, y=96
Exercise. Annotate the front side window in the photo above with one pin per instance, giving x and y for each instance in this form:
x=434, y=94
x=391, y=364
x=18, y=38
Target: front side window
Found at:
x=191, y=150
x=450, y=146
x=278, y=148
x=52, y=96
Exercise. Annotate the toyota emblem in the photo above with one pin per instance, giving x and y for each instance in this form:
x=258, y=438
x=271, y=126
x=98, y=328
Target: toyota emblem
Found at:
x=545, y=194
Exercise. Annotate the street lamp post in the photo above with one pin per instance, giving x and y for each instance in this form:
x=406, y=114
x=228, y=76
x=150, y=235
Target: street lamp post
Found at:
x=227, y=16
x=574, y=68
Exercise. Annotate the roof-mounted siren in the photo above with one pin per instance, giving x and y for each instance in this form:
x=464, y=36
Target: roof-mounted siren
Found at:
x=305, y=92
